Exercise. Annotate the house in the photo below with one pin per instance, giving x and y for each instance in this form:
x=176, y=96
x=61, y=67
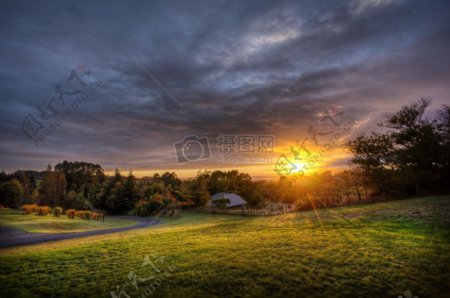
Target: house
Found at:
x=232, y=201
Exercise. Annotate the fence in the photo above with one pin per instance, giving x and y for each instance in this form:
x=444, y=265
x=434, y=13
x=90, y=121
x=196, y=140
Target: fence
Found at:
x=246, y=211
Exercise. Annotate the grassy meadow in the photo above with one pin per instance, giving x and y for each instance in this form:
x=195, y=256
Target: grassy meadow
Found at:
x=34, y=223
x=374, y=250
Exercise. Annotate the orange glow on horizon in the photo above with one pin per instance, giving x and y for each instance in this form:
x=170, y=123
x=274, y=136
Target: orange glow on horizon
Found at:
x=264, y=171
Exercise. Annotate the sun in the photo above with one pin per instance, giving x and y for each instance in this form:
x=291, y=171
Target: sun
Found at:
x=299, y=166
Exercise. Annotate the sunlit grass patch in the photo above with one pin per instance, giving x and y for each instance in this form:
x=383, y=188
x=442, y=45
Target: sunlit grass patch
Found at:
x=381, y=251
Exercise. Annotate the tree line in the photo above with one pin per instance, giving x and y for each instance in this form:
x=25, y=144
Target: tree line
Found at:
x=409, y=155
x=84, y=186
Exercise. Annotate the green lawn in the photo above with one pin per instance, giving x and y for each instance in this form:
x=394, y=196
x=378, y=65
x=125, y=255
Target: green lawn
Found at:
x=379, y=250
x=50, y=224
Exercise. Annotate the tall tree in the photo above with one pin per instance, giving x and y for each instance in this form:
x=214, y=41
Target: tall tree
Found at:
x=11, y=193
x=170, y=179
x=104, y=200
x=130, y=193
x=407, y=157
x=82, y=177
x=201, y=193
x=53, y=187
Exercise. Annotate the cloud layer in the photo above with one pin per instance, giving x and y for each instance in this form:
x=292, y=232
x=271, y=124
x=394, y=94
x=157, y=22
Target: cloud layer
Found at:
x=176, y=68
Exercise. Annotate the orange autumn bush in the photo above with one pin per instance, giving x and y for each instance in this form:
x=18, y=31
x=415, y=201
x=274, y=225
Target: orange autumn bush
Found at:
x=87, y=214
x=83, y=214
x=44, y=210
x=95, y=215
x=57, y=211
x=98, y=216
x=78, y=213
x=29, y=208
x=70, y=213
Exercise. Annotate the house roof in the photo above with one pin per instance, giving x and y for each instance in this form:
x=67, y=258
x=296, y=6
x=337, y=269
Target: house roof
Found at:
x=235, y=200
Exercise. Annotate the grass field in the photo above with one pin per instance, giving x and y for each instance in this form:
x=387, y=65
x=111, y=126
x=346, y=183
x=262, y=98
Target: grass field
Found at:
x=378, y=250
x=50, y=224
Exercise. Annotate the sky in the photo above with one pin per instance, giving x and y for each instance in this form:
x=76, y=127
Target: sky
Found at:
x=150, y=86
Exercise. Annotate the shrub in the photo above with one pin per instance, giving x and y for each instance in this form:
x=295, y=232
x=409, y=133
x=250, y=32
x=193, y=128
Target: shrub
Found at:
x=78, y=213
x=44, y=210
x=29, y=208
x=83, y=214
x=95, y=216
x=57, y=211
x=87, y=215
x=70, y=213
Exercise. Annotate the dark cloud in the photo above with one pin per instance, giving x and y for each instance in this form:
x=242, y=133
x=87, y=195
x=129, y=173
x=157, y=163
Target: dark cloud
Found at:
x=174, y=68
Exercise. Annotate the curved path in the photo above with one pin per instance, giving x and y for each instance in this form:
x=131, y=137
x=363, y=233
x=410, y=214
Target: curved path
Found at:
x=12, y=237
